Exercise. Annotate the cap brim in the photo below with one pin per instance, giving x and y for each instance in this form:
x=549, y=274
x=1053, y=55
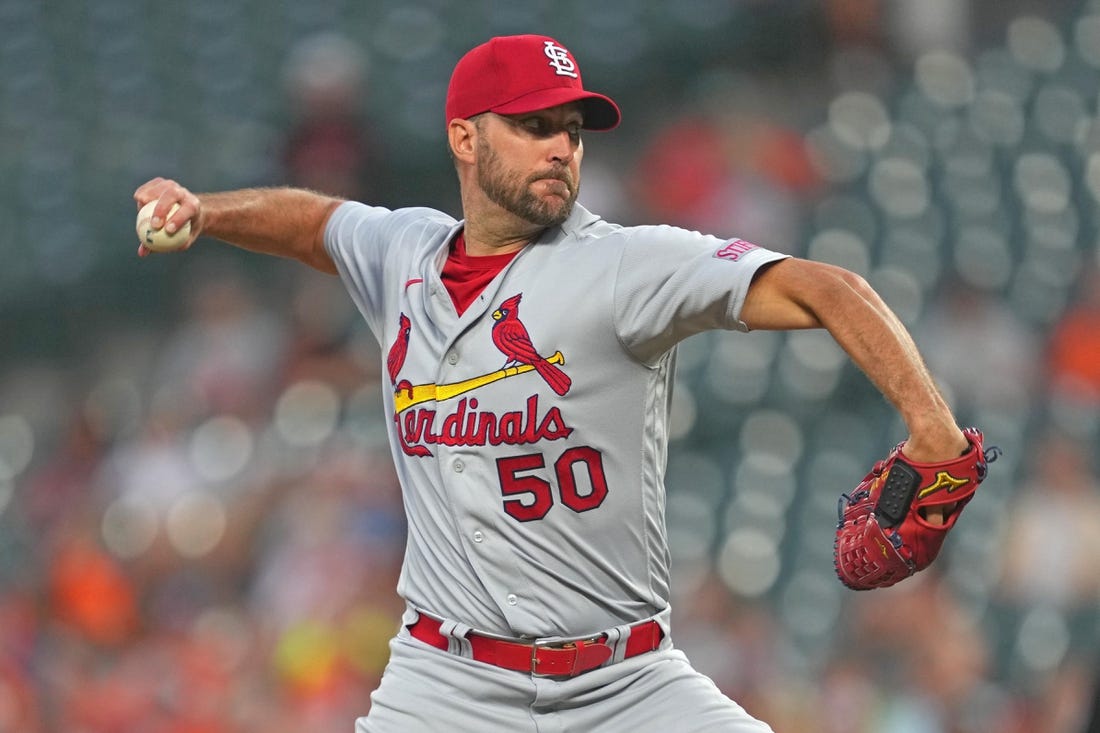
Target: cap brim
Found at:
x=600, y=113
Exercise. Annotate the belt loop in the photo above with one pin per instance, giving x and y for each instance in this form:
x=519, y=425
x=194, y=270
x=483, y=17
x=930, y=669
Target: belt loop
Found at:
x=616, y=639
x=457, y=643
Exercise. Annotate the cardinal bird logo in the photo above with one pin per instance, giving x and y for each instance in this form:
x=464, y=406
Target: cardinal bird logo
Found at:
x=510, y=336
x=395, y=359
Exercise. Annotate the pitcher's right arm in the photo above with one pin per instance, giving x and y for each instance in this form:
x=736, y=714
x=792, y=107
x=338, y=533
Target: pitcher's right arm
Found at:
x=284, y=222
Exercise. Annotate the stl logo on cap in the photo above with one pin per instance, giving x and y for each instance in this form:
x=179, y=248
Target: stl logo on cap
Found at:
x=559, y=59
x=510, y=75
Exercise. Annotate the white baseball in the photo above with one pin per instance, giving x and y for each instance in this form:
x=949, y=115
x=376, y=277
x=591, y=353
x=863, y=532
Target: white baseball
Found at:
x=159, y=240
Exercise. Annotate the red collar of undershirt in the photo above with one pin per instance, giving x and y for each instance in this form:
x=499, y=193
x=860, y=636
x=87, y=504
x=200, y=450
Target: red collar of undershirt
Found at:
x=465, y=276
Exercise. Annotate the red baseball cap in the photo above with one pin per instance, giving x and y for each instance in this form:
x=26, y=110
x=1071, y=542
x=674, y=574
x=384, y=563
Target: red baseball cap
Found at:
x=516, y=74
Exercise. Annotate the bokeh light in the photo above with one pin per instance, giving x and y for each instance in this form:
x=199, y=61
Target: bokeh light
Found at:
x=307, y=413
x=196, y=523
x=16, y=446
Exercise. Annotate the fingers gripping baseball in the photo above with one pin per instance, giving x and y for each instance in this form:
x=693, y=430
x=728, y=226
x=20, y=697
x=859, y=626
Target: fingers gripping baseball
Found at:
x=174, y=220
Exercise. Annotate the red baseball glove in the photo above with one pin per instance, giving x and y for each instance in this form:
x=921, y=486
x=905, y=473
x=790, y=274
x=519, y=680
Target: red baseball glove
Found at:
x=882, y=536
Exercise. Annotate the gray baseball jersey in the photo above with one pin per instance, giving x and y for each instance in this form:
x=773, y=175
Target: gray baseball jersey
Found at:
x=530, y=432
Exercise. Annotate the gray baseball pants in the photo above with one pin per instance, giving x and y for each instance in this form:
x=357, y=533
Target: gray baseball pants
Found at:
x=427, y=690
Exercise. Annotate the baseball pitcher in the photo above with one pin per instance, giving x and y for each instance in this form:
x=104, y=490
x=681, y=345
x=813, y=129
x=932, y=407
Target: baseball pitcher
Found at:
x=529, y=354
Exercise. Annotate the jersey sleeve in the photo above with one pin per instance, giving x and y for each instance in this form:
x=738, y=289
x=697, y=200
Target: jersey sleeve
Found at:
x=672, y=283
x=367, y=242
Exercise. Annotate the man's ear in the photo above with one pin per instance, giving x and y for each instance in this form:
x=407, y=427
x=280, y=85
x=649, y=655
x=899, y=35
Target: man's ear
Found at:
x=462, y=137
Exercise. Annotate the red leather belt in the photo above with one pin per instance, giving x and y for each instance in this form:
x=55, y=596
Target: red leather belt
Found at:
x=543, y=659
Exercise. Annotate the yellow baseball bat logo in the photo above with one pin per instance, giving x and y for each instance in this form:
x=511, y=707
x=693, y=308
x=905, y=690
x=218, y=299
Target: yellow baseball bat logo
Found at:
x=407, y=396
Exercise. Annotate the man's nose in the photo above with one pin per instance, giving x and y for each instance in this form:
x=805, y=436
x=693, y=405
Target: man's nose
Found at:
x=562, y=148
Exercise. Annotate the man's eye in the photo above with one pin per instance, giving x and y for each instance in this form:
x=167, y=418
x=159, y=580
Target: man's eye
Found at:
x=542, y=128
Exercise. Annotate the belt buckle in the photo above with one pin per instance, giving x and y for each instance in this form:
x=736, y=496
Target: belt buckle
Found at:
x=588, y=653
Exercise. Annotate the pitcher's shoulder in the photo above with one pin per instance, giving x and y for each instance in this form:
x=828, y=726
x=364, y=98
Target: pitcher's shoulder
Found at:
x=357, y=211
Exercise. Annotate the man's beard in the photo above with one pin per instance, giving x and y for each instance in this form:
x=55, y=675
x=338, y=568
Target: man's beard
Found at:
x=506, y=190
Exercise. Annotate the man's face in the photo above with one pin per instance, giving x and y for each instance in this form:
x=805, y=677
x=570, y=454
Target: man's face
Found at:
x=529, y=164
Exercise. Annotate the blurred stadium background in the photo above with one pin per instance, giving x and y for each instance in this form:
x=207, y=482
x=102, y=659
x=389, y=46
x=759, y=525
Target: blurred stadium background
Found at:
x=200, y=529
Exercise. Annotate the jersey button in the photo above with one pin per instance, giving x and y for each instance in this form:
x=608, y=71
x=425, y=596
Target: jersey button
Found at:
x=452, y=358
x=459, y=466
x=512, y=600
x=478, y=536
